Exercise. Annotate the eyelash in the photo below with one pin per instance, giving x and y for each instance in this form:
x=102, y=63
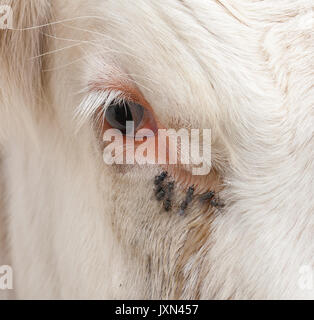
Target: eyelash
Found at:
x=96, y=103
x=95, y=100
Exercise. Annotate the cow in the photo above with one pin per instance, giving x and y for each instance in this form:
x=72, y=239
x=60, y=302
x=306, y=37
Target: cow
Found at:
x=73, y=226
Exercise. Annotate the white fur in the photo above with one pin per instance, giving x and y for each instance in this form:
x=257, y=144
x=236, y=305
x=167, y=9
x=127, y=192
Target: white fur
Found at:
x=76, y=228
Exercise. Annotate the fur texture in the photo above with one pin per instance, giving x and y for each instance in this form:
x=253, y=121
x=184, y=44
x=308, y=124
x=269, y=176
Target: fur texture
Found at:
x=76, y=228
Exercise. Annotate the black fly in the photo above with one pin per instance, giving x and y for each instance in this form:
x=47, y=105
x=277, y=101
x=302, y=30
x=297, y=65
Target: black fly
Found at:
x=188, y=199
x=167, y=201
x=160, y=194
x=207, y=196
x=216, y=203
x=158, y=181
x=160, y=178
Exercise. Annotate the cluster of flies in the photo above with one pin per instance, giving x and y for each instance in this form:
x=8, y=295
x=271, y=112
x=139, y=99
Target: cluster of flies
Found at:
x=164, y=192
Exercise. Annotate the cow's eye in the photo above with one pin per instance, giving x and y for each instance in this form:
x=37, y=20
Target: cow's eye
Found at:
x=118, y=113
x=129, y=117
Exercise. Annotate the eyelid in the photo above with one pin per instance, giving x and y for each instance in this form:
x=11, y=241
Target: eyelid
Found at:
x=91, y=103
x=100, y=97
x=101, y=93
x=131, y=93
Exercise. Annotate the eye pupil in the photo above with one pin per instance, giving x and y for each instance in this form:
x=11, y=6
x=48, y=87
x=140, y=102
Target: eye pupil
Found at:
x=118, y=113
x=122, y=113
